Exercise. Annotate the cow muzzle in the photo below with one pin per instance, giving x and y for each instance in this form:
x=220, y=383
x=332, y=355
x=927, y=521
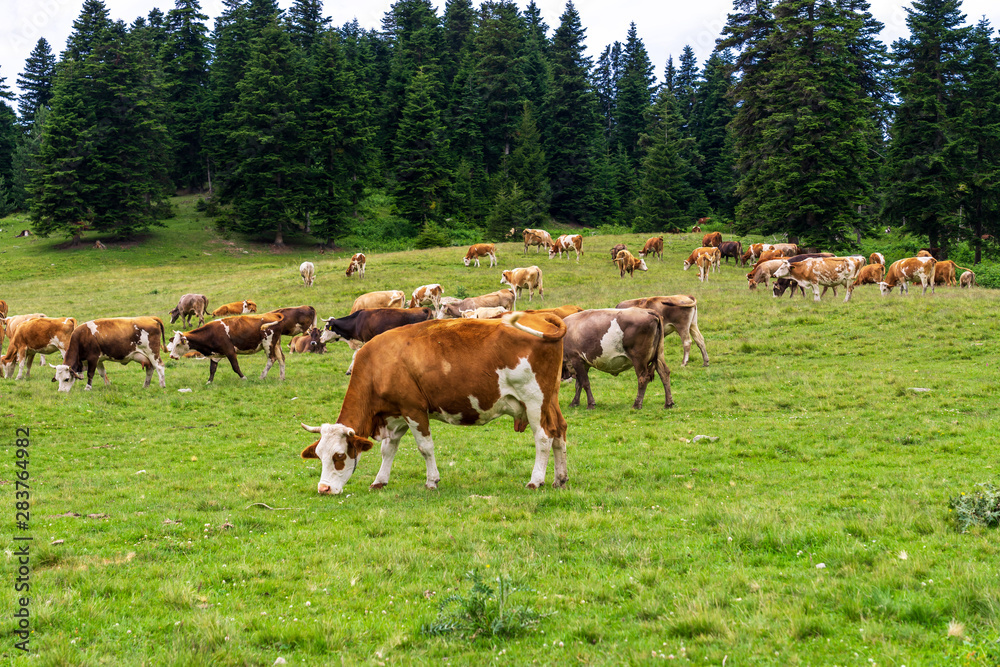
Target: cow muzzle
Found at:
x=325, y=490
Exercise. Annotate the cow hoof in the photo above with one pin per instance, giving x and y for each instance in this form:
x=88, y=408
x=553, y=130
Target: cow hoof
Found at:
x=574, y=404
x=347, y=373
x=431, y=486
x=667, y=406
x=375, y=486
x=591, y=406
x=559, y=483
x=705, y=365
x=532, y=485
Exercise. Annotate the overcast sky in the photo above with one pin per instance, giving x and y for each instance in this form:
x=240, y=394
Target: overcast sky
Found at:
x=664, y=26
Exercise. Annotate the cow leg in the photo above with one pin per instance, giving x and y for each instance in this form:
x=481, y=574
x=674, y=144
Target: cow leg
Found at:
x=103, y=373
x=25, y=365
x=92, y=367
x=160, y=372
x=350, y=369
x=816, y=293
x=148, y=366
x=390, y=434
x=41, y=360
x=425, y=444
x=581, y=372
x=275, y=353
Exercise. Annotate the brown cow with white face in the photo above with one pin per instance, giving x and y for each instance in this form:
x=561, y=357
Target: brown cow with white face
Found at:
x=478, y=250
x=629, y=264
x=244, y=307
x=295, y=320
x=815, y=272
x=384, y=299
x=613, y=340
x=309, y=342
x=232, y=336
x=712, y=252
x=565, y=243
x=357, y=265
x=188, y=307
x=679, y=313
x=427, y=295
x=529, y=278
x=654, y=246
x=536, y=237
x=464, y=372
x=40, y=335
x=121, y=339
x=909, y=270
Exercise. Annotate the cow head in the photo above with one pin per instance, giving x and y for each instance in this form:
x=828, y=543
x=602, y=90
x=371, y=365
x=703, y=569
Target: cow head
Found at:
x=178, y=346
x=338, y=451
x=505, y=278
x=687, y=265
x=249, y=307
x=8, y=368
x=885, y=288
x=642, y=265
x=174, y=314
x=66, y=376
x=782, y=270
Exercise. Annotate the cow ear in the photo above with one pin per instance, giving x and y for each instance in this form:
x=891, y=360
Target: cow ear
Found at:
x=356, y=445
x=310, y=451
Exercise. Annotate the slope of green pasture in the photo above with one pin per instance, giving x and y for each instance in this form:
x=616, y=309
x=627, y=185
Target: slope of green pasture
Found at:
x=814, y=530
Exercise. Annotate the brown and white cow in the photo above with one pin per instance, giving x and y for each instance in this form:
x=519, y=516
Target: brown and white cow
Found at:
x=762, y=271
x=967, y=279
x=485, y=313
x=815, y=272
x=189, y=306
x=679, y=313
x=565, y=243
x=696, y=229
x=465, y=372
x=944, y=272
x=536, y=237
x=308, y=272
x=41, y=335
x=500, y=299
x=712, y=239
x=244, y=307
x=909, y=270
x=614, y=251
x=308, y=342
x=870, y=275
x=357, y=265
x=704, y=262
x=361, y=326
x=121, y=339
x=295, y=320
x=427, y=295
x=384, y=299
x=232, y=336
x=9, y=325
x=626, y=263
x=924, y=253
x=529, y=278
x=732, y=249
x=782, y=284
x=712, y=251
x=613, y=340
x=3, y=308
x=876, y=258
x=654, y=246
x=562, y=312
x=757, y=249
x=478, y=250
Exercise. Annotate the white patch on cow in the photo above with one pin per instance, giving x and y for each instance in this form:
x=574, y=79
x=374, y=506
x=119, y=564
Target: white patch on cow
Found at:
x=519, y=386
x=613, y=358
x=93, y=327
x=226, y=327
x=445, y=366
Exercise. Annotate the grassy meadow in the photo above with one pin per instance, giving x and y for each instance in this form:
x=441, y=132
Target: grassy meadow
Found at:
x=811, y=528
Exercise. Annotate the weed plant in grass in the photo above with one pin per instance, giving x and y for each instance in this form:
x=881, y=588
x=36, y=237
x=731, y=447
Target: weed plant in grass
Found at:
x=814, y=530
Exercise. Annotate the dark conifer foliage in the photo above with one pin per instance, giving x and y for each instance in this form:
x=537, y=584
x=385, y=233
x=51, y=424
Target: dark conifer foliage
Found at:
x=35, y=81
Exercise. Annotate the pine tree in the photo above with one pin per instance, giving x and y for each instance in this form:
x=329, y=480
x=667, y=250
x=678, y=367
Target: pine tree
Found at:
x=710, y=118
x=306, y=22
x=35, y=82
x=686, y=85
x=635, y=94
x=924, y=162
x=527, y=167
x=88, y=30
x=665, y=192
x=606, y=79
x=25, y=160
x=8, y=136
x=537, y=72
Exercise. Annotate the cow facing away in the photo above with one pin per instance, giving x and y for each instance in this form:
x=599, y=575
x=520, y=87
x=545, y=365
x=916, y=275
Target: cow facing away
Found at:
x=679, y=313
x=713, y=252
x=876, y=258
x=653, y=246
x=944, y=272
x=41, y=335
x=615, y=250
x=9, y=326
x=870, y=275
x=295, y=320
x=405, y=377
x=189, y=306
x=628, y=264
x=308, y=272
x=427, y=295
x=529, y=278
x=967, y=279
x=121, y=339
x=613, y=340
x=910, y=269
x=232, y=336
x=357, y=265
x=536, y=237
x=478, y=250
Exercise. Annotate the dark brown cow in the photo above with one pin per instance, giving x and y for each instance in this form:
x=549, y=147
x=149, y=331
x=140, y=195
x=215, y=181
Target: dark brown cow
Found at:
x=295, y=320
x=732, y=249
x=712, y=239
x=679, y=313
x=614, y=250
x=457, y=371
x=309, y=342
x=41, y=335
x=613, y=340
x=121, y=339
x=189, y=306
x=232, y=336
x=653, y=246
x=360, y=327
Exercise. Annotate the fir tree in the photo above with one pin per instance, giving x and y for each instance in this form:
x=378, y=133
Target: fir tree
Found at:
x=635, y=94
x=537, y=72
x=25, y=160
x=527, y=166
x=306, y=22
x=35, y=82
x=686, y=84
x=89, y=30
x=712, y=113
x=606, y=79
x=665, y=192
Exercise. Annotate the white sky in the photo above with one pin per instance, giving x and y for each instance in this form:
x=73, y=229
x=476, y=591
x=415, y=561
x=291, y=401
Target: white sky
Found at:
x=664, y=26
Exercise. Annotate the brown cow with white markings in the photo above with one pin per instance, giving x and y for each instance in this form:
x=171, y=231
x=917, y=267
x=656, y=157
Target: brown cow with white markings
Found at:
x=536, y=237
x=121, y=339
x=9, y=325
x=712, y=239
x=629, y=264
x=679, y=313
x=232, y=336
x=41, y=335
x=427, y=295
x=500, y=299
x=295, y=320
x=464, y=372
x=565, y=243
x=909, y=270
x=478, y=250
x=357, y=265
x=654, y=246
x=613, y=340
x=712, y=252
x=244, y=307
x=188, y=307
x=308, y=342
x=529, y=278
x=764, y=270
x=384, y=299
x=815, y=272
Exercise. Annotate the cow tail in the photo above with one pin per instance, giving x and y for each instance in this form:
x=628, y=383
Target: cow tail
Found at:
x=962, y=268
x=547, y=336
x=163, y=332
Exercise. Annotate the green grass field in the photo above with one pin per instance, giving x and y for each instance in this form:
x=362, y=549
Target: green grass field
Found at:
x=815, y=530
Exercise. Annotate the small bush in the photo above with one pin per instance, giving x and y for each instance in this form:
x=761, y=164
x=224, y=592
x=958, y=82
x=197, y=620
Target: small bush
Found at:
x=431, y=236
x=979, y=508
x=484, y=612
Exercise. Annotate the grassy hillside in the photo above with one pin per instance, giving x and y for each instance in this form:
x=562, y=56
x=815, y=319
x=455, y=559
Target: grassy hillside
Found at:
x=813, y=527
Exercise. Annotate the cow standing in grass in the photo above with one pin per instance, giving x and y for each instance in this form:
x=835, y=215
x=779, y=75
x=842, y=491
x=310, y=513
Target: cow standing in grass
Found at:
x=121, y=339
x=232, y=336
x=40, y=335
x=188, y=307
x=308, y=272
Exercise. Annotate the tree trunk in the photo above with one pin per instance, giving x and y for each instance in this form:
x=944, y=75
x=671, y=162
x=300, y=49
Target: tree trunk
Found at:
x=278, y=238
x=308, y=222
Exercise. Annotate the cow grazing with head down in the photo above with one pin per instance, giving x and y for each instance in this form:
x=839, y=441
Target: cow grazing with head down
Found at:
x=762, y=271
x=536, y=237
x=478, y=250
x=406, y=377
x=384, y=299
x=696, y=229
x=944, y=272
x=876, y=258
x=712, y=239
x=361, y=326
x=232, y=336
x=566, y=243
x=427, y=295
x=679, y=313
x=613, y=340
x=308, y=272
x=615, y=249
x=654, y=246
x=500, y=299
x=782, y=284
x=357, y=265
x=870, y=275
x=967, y=279
x=9, y=326
x=628, y=264
x=529, y=278
x=121, y=339
x=41, y=335
x=189, y=306
x=904, y=271
x=712, y=252
x=732, y=249
x=244, y=307
x=823, y=271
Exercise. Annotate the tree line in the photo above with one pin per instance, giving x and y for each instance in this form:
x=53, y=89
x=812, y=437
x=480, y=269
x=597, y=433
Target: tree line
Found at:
x=801, y=122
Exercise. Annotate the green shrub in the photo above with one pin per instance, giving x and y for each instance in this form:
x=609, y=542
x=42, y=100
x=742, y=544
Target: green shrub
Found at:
x=978, y=508
x=483, y=612
x=431, y=236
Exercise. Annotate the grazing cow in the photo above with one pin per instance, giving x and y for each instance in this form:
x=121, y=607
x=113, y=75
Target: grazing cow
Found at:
x=406, y=377
x=308, y=272
x=628, y=264
x=702, y=221
x=384, y=299
x=746, y=258
x=910, y=269
x=244, y=307
x=9, y=325
x=613, y=340
x=757, y=249
x=309, y=342
x=696, y=229
x=487, y=313
x=614, y=251
x=876, y=258
x=41, y=335
x=24, y=233
x=121, y=339
x=500, y=299
x=536, y=237
x=427, y=295
x=704, y=250
x=562, y=312
x=481, y=250
x=823, y=271
x=565, y=243
x=732, y=249
x=529, y=278
x=870, y=275
x=189, y=306
x=232, y=336
x=360, y=327
x=944, y=272
x=762, y=271
x=679, y=313
x=704, y=262
x=713, y=239
x=295, y=320
x=967, y=279
x=782, y=284
x=653, y=246
x=357, y=264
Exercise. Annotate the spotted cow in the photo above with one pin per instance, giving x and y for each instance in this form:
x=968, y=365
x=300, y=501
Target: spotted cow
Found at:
x=536, y=237
x=478, y=250
x=40, y=335
x=909, y=270
x=121, y=339
x=357, y=265
x=232, y=336
x=815, y=272
x=565, y=243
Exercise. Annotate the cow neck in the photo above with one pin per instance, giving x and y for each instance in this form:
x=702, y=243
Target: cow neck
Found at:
x=358, y=411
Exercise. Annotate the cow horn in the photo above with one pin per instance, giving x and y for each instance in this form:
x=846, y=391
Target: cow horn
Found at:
x=312, y=429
